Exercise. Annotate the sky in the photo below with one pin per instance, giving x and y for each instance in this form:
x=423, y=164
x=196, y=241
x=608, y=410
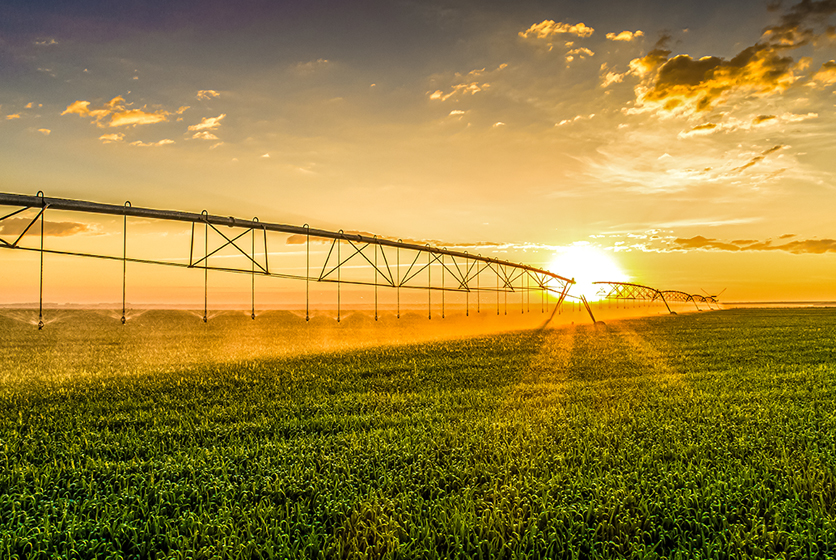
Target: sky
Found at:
x=691, y=143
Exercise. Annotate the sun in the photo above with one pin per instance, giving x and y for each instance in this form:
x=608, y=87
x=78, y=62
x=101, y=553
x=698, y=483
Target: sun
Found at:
x=586, y=264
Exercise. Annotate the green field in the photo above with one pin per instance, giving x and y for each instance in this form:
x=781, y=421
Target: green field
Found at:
x=708, y=435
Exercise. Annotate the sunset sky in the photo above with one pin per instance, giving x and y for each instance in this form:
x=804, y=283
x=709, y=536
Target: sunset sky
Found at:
x=691, y=142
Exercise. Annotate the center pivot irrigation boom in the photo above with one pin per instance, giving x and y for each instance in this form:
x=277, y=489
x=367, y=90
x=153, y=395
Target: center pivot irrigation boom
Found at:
x=419, y=267
x=626, y=290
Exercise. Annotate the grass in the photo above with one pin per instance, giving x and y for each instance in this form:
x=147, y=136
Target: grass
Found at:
x=708, y=435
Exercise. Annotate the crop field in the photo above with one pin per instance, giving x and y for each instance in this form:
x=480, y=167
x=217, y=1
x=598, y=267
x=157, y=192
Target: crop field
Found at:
x=709, y=435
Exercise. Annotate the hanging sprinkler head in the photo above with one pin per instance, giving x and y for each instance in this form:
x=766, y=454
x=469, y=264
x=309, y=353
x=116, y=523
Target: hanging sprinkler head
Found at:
x=40, y=325
x=123, y=319
x=205, y=319
x=252, y=316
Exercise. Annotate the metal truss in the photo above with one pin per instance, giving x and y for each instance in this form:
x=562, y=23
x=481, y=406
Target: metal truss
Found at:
x=626, y=290
x=390, y=263
x=674, y=295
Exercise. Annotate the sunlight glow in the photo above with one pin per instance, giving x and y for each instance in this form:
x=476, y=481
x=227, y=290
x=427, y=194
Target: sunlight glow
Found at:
x=587, y=264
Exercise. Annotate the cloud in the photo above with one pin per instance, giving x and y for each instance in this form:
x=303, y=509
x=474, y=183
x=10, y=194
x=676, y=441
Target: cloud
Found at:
x=757, y=159
x=134, y=117
x=16, y=226
x=12, y=117
x=703, y=129
x=625, y=35
x=108, y=138
x=576, y=118
x=706, y=222
x=825, y=76
x=464, y=89
x=44, y=131
x=208, y=123
x=207, y=94
x=470, y=83
x=732, y=124
x=549, y=28
x=163, y=142
x=46, y=42
x=700, y=242
x=119, y=114
x=792, y=31
x=204, y=135
x=311, y=66
x=814, y=246
x=611, y=77
x=687, y=86
x=582, y=52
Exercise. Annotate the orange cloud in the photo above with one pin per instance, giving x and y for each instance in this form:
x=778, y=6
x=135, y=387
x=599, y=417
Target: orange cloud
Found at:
x=118, y=113
x=583, y=52
x=12, y=117
x=16, y=226
x=137, y=116
x=44, y=131
x=464, y=89
x=207, y=94
x=755, y=160
x=707, y=128
x=700, y=242
x=825, y=76
x=687, y=85
x=814, y=246
x=610, y=78
x=625, y=35
x=549, y=28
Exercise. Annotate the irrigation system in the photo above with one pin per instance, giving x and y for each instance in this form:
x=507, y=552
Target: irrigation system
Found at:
x=378, y=262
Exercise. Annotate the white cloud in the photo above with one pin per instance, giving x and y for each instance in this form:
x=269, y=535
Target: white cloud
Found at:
x=108, y=138
x=164, y=142
x=208, y=123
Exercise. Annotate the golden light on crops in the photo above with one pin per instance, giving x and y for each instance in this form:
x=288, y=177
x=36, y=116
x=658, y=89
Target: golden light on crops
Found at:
x=587, y=264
